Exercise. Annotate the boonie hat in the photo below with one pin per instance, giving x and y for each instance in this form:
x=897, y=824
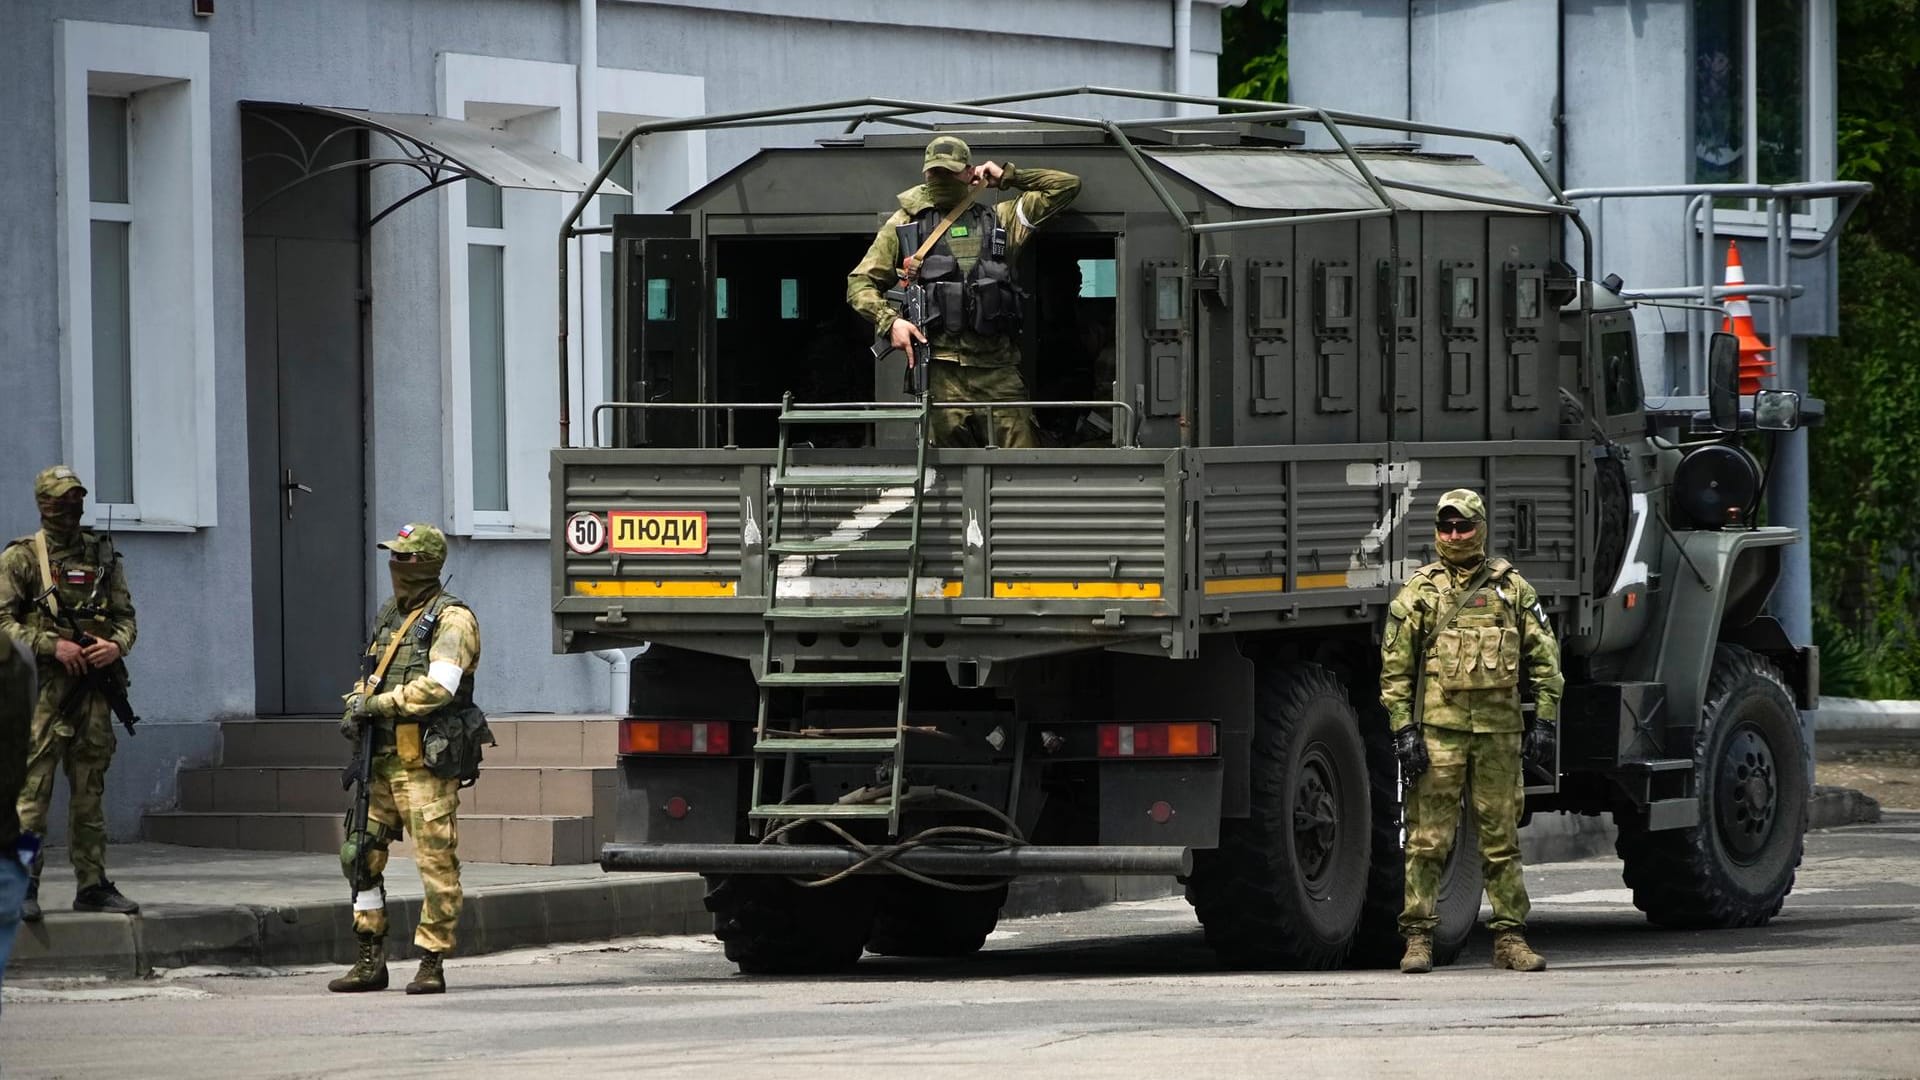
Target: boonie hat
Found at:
x=1462, y=503
x=55, y=481
x=421, y=538
x=949, y=153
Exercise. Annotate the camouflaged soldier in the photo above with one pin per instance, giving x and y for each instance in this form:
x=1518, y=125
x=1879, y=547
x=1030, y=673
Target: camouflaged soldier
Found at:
x=1470, y=732
x=970, y=285
x=431, y=669
x=65, y=570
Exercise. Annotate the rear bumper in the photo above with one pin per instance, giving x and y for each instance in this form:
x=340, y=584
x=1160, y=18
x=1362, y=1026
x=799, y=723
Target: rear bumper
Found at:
x=1150, y=861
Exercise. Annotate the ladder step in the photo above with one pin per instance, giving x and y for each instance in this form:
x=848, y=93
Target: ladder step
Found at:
x=826, y=745
x=821, y=810
x=839, y=416
x=790, y=481
x=837, y=547
x=864, y=611
x=831, y=678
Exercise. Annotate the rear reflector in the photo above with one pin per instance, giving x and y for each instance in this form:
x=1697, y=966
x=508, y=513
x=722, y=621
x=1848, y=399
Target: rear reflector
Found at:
x=674, y=737
x=1156, y=740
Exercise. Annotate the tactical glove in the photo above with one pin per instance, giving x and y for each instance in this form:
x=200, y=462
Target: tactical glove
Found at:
x=356, y=714
x=1410, y=747
x=1538, y=744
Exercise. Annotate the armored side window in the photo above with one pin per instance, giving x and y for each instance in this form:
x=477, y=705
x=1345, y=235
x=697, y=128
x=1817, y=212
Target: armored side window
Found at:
x=1621, y=369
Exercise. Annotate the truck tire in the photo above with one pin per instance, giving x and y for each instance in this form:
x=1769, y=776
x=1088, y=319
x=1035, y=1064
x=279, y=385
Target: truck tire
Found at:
x=771, y=926
x=1736, y=866
x=1377, y=943
x=915, y=919
x=1285, y=886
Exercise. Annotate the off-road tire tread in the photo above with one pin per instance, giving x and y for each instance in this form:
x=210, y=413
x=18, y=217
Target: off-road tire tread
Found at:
x=1377, y=943
x=1674, y=874
x=914, y=919
x=771, y=926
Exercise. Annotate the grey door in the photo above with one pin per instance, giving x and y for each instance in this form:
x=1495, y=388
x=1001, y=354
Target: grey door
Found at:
x=304, y=350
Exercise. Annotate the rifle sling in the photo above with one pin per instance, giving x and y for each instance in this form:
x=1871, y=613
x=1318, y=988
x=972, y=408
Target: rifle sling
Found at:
x=910, y=266
x=46, y=572
x=393, y=646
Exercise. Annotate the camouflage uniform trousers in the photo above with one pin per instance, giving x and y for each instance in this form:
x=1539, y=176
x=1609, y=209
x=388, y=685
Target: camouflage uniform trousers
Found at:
x=1488, y=763
x=424, y=804
x=83, y=743
x=949, y=381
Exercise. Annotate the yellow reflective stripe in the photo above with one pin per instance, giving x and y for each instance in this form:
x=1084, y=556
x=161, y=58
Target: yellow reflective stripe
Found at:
x=1335, y=580
x=1076, y=590
x=1230, y=586
x=656, y=588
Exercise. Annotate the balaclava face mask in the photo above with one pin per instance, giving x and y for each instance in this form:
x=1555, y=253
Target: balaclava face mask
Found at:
x=946, y=188
x=1464, y=552
x=60, y=517
x=414, y=582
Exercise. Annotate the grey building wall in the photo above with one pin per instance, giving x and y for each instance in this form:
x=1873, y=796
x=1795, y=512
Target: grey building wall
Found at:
x=194, y=661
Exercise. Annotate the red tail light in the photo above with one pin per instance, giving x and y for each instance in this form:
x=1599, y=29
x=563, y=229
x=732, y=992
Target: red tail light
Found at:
x=1156, y=740
x=674, y=737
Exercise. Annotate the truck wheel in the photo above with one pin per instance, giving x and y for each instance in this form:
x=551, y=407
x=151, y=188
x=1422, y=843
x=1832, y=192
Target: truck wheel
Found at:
x=915, y=919
x=771, y=926
x=1285, y=886
x=1378, y=943
x=1736, y=866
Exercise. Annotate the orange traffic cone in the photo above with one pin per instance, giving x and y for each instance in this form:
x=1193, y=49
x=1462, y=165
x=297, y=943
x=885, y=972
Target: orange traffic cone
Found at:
x=1754, y=364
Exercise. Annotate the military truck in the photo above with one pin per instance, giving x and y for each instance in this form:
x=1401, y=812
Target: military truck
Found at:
x=885, y=679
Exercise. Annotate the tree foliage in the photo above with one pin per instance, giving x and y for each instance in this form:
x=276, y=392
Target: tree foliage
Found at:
x=1253, y=51
x=1865, y=458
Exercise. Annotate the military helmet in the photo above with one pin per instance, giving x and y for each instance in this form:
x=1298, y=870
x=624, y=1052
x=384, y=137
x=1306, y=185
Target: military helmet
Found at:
x=949, y=153
x=420, y=538
x=55, y=481
x=1461, y=503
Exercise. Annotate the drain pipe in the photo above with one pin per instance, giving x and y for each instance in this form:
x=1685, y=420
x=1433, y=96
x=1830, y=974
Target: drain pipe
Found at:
x=1182, y=53
x=620, y=677
x=587, y=110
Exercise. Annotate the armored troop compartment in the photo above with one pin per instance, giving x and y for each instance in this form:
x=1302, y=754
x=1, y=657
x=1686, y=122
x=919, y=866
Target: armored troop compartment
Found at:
x=1274, y=415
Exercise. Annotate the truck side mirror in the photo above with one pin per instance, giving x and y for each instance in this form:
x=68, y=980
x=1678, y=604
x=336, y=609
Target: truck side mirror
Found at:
x=1776, y=410
x=1723, y=382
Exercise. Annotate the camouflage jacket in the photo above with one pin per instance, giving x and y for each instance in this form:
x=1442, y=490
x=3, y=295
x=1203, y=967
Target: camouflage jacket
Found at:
x=18, y=692
x=90, y=582
x=1471, y=673
x=441, y=648
x=1044, y=193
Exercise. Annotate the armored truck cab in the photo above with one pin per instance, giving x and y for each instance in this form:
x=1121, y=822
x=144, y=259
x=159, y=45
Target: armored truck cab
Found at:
x=884, y=678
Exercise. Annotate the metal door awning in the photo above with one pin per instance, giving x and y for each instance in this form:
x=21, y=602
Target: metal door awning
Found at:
x=441, y=149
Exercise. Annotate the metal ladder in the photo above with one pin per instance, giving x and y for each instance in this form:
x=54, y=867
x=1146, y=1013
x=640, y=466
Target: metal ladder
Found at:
x=782, y=617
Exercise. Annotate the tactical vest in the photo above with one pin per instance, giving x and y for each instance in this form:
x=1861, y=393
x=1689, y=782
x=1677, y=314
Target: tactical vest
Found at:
x=411, y=659
x=1481, y=650
x=82, y=575
x=982, y=300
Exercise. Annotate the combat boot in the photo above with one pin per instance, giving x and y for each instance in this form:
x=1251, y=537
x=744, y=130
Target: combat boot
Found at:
x=30, y=907
x=369, y=971
x=1510, y=952
x=102, y=896
x=430, y=979
x=1418, y=959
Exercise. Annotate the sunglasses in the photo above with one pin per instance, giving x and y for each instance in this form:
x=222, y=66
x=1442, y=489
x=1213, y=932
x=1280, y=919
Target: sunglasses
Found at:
x=1456, y=528
x=404, y=556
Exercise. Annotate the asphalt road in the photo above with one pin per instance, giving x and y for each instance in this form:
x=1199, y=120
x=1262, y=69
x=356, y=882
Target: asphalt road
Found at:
x=1828, y=990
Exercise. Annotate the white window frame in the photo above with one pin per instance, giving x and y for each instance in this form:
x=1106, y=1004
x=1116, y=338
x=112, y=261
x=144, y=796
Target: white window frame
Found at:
x=536, y=99
x=1818, y=122
x=165, y=73
x=667, y=168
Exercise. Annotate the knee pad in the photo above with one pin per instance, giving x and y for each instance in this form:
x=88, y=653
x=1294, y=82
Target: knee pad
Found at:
x=354, y=851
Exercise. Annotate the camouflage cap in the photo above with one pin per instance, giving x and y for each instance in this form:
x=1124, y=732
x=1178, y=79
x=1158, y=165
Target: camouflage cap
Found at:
x=421, y=538
x=949, y=153
x=1461, y=502
x=55, y=481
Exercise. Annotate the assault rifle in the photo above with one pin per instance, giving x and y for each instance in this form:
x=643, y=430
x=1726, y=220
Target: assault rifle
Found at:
x=109, y=682
x=909, y=298
x=358, y=777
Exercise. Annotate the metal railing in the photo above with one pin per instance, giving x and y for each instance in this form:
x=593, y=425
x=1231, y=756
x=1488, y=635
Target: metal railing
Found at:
x=1126, y=432
x=1700, y=250
x=855, y=112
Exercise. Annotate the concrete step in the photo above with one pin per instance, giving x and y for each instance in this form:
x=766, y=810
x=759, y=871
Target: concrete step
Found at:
x=559, y=791
x=524, y=740
x=541, y=840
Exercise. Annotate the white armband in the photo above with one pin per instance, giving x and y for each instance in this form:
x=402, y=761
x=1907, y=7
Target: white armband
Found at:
x=446, y=673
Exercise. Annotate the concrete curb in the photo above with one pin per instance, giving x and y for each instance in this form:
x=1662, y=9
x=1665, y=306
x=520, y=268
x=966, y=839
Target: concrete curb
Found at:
x=1831, y=806
x=1854, y=714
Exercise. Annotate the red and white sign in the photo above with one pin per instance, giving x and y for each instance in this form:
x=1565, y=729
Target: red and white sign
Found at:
x=586, y=533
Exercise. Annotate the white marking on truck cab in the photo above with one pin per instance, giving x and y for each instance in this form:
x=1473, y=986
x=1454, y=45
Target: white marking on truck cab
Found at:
x=1633, y=571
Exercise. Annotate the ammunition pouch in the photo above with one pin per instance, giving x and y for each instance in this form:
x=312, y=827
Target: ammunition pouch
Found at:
x=451, y=742
x=984, y=300
x=353, y=856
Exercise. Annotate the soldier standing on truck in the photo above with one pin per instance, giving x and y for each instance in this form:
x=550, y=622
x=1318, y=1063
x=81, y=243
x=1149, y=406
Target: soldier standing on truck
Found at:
x=1463, y=626
x=60, y=587
x=968, y=274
